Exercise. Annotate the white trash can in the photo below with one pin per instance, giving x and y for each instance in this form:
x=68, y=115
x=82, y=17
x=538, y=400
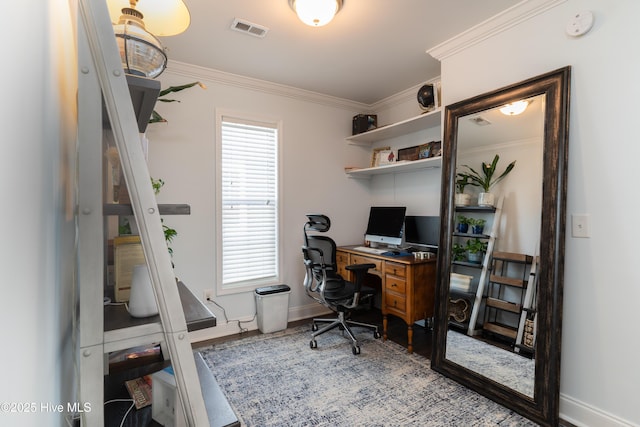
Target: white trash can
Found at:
x=272, y=305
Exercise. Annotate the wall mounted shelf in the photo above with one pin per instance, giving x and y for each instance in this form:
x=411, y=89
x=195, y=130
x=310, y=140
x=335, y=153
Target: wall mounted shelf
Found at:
x=405, y=166
x=413, y=124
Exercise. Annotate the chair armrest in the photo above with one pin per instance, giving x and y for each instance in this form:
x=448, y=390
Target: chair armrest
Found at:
x=359, y=267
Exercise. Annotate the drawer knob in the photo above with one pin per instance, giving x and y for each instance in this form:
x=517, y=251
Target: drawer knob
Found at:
x=395, y=303
x=393, y=285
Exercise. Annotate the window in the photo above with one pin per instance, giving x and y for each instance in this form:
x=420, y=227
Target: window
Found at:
x=248, y=203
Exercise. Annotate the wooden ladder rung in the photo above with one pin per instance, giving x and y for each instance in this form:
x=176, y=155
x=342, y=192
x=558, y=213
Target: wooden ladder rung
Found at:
x=513, y=257
x=509, y=281
x=504, y=305
x=500, y=330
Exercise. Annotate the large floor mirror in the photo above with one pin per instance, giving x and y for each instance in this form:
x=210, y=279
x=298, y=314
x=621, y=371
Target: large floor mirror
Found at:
x=516, y=363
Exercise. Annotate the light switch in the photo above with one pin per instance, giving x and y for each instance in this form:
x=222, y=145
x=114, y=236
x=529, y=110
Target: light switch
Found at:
x=580, y=225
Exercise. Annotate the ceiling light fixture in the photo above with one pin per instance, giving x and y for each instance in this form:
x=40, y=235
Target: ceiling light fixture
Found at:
x=141, y=52
x=514, y=108
x=316, y=13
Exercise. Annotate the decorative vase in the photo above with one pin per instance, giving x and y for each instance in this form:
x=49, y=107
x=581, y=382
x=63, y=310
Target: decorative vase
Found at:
x=477, y=229
x=462, y=199
x=142, y=301
x=474, y=257
x=486, y=199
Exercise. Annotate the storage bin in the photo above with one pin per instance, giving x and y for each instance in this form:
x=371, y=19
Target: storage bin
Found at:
x=272, y=306
x=461, y=282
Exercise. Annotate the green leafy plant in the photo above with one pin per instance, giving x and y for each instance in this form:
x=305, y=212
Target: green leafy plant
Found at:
x=169, y=233
x=485, y=179
x=458, y=252
x=480, y=222
x=157, y=185
x=463, y=220
x=155, y=116
x=475, y=246
x=462, y=180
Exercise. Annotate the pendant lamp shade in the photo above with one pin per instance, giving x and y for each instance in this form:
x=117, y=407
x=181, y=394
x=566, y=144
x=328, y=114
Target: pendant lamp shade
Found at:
x=161, y=17
x=141, y=52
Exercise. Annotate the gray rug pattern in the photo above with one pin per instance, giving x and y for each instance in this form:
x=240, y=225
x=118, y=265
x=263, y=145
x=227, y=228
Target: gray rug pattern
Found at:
x=502, y=366
x=277, y=380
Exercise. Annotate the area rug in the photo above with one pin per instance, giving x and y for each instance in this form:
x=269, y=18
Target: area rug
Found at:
x=278, y=380
x=500, y=365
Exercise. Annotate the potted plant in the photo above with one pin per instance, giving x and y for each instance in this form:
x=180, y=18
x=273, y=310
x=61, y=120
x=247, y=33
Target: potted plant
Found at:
x=125, y=228
x=463, y=224
x=485, y=179
x=462, y=198
x=475, y=250
x=477, y=225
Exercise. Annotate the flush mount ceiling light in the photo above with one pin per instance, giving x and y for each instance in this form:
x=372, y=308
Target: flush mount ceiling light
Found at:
x=316, y=13
x=136, y=22
x=514, y=108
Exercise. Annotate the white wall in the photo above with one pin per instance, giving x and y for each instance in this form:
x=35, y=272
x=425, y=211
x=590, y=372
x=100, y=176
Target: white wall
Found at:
x=37, y=215
x=600, y=375
x=181, y=152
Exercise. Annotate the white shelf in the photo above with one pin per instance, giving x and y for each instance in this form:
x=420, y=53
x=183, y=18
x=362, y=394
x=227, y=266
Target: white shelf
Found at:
x=413, y=124
x=403, y=166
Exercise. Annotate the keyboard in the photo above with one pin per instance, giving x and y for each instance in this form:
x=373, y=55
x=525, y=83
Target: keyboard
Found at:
x=370, y=250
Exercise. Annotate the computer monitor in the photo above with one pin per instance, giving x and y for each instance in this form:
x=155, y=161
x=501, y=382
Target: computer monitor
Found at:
x=385, y=225
x=422, y=231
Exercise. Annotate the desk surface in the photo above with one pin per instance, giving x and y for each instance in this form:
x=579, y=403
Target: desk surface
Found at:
x=407, y=259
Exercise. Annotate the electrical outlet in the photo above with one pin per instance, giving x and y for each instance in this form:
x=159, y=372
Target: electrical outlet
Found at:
x=208, y=294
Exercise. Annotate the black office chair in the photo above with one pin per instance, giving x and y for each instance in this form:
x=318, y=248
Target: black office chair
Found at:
x=323, y=283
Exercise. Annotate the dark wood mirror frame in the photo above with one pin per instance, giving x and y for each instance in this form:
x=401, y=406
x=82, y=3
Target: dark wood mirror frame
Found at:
x=544, y=406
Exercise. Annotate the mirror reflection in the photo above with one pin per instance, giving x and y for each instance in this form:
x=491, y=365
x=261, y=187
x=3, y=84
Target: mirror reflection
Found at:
x=499, y=314
x=492, y=303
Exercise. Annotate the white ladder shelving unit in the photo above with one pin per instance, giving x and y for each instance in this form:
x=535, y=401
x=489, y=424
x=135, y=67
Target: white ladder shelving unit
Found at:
x=475, y=310
x=101, y=77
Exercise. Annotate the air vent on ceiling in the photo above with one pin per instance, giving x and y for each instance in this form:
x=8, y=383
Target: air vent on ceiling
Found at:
x=480, y=121
x=249, y=28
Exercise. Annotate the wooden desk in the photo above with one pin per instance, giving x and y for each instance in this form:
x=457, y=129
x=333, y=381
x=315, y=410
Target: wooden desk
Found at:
x=408, y=285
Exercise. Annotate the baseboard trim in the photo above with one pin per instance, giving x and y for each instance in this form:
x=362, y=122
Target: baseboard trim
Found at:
x=581, y=414
x=251, y=324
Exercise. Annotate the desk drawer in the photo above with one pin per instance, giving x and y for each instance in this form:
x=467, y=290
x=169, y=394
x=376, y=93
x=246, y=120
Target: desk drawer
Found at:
x=395, y=301
x=395, y=284
x=359, y=259
x=395, y=269
x=342, y=258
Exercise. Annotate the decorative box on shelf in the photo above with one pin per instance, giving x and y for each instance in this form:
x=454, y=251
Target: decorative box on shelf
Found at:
x=127, y=254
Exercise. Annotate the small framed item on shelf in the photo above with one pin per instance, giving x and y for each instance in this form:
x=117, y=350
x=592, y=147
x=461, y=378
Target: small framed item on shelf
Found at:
x=385, y=157
x=374, y=156
x=409, y=153
x=430, y=149
x=364, y=122
x=424, y=151
x=436, y=149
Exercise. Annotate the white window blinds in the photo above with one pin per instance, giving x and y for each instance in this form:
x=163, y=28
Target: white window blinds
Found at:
x=249, y=201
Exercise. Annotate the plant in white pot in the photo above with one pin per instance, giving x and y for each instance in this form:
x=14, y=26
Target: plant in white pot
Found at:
x=462, y=198
x=485, y=179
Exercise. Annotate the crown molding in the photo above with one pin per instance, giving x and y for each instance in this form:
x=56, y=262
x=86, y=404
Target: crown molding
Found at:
x=516, y=14
x=211, y=75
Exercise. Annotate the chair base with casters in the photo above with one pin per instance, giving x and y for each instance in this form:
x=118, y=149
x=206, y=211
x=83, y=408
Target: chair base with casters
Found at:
x=327, y=287
x=344, y=325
